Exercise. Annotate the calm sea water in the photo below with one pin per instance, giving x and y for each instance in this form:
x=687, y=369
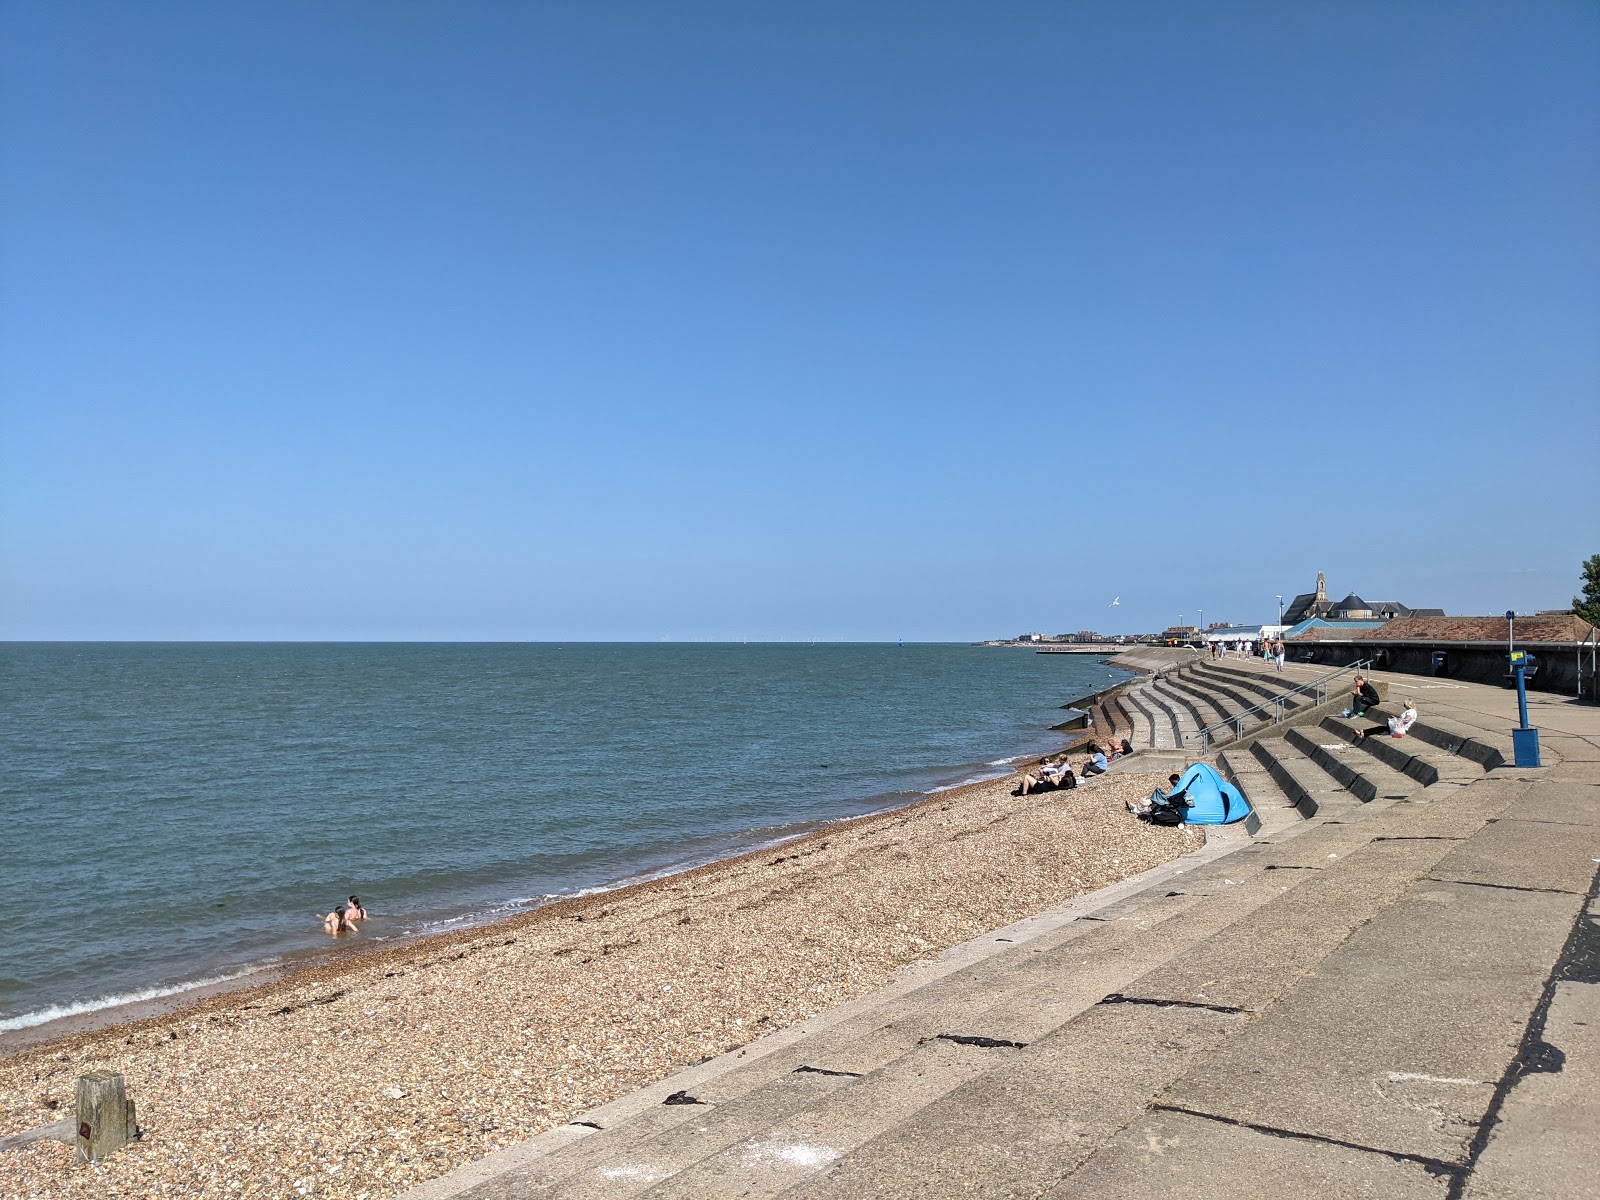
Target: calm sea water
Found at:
x=180, y=812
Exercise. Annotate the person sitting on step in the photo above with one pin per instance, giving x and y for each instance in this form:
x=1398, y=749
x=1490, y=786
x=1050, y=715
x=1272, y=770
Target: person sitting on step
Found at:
x=1364, y=697
x=1399, y=726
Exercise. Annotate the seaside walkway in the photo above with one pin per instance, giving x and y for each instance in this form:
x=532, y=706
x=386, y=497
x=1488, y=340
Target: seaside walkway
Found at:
x=1391, y=990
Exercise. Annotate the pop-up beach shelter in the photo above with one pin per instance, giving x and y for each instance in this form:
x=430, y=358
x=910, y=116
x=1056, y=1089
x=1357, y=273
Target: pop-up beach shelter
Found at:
x=1212, y=799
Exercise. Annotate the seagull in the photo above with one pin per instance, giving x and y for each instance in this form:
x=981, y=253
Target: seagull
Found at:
x=1115, y=602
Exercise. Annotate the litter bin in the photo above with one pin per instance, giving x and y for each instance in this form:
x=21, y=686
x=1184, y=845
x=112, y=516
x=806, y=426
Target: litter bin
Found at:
x=1441, y=662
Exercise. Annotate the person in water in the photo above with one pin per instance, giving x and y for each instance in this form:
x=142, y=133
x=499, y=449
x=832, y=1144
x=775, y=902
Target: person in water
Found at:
x=338, y=921
x=353, y=910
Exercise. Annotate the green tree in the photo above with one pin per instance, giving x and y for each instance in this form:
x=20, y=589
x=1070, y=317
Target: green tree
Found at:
x=1587, y=605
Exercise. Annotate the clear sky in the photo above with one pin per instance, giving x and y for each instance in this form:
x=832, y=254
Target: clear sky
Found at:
x=848, y=320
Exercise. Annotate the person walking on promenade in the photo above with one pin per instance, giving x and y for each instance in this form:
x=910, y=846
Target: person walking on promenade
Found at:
x=1277, y=652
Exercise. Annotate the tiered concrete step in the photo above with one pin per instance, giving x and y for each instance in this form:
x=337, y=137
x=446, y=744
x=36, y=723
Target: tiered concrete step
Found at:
x=1411, y=756
x=1164, y=731
x=1270, y=802
x=1363, y=775
x=1199, y=708
x=1308, y=786
x=1109, y=724
x=1383, y=1071
x=1134, y=719
x=1180, y=712
x=1459, y=735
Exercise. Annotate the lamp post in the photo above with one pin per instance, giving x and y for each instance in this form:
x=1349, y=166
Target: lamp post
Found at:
x=1280, y=611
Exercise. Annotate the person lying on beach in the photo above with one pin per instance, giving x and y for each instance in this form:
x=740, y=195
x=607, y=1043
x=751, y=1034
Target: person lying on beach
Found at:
x=1052, y=775
x=1398, y=726
x=353, y=910
x=338, y=921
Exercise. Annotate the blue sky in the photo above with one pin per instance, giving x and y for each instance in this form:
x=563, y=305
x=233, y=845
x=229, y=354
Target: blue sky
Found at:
x=837, y=320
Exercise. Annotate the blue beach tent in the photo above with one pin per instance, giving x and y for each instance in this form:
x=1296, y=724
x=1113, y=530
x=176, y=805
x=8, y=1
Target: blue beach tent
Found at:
x=1212, y=799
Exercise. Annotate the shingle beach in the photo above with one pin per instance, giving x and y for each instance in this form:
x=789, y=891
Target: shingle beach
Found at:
x=363, y=1076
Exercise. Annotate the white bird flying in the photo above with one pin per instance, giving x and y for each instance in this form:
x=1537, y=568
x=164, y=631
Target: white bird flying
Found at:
x=1115, y=602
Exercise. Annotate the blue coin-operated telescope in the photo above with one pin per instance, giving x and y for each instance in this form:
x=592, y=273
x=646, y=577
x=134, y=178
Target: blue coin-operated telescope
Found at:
x=1524, y=739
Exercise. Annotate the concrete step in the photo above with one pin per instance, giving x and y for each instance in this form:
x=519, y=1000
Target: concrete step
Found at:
x=1269, y=801
x=1484, y=747
x=1311, y=788
x=1203, y=706
x=1363, y=775
x=1133, y=719
x=1228, y=690
x=1399, y=1039
x=1017, y=1129
x=1182, y=711
x=1255, y=685
x=1142, y=719
x=1165, y=733
x=1410, y=756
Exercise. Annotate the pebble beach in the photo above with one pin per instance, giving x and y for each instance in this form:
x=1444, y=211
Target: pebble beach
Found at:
x=371, y=1072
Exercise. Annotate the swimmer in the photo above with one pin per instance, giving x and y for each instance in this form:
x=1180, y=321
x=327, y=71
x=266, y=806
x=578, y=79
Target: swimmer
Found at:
x=338, y=921
x=353, y=910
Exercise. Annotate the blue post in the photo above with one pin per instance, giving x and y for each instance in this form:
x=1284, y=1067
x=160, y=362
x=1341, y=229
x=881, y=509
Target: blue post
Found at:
x=1524, y=740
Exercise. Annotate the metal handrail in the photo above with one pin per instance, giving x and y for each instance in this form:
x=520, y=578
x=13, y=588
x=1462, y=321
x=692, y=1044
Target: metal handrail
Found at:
x=1319, y=686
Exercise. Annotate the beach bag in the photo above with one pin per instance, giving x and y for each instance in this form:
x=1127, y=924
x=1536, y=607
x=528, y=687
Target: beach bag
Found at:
x=1166, y=816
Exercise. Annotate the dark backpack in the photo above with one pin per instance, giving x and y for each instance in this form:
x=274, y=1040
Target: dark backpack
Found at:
x=1166, y=816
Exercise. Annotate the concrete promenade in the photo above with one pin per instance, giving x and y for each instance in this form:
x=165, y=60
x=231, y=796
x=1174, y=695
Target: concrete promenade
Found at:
x=1391, y=990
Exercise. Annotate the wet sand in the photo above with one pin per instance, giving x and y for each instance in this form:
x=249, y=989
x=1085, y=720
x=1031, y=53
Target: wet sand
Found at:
x=363, y=1075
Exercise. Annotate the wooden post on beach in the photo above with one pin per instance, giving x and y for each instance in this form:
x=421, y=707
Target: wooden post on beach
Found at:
x=105, y=1115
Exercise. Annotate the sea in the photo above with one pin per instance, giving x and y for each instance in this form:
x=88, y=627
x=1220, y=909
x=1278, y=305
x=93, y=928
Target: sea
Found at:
x=178, y=815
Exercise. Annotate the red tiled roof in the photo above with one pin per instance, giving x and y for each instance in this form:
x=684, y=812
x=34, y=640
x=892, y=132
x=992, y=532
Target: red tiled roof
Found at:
x=1563, y=628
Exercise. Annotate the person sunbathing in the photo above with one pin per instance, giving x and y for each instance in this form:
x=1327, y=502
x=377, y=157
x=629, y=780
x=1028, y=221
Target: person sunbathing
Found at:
x=1052, y=775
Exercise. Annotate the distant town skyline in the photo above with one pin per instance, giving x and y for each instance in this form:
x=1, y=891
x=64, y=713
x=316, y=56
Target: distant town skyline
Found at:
x=621, y=321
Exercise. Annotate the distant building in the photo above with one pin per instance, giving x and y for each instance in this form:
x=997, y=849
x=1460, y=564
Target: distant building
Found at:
x=1316, y=605
x=1085, y=635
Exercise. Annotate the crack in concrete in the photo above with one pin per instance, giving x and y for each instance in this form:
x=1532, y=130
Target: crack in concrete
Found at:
x=1119, y=998
x=1503, y=887
x=983, y=1043
x=1434, y=1166
x=810, y=1070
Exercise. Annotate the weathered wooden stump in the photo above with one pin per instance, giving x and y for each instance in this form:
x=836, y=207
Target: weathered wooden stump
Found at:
x=105, y=1115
